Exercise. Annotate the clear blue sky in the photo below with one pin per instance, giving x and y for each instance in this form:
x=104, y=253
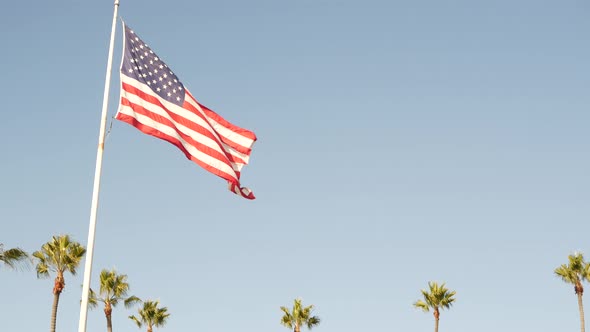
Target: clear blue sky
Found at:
x=399, y=142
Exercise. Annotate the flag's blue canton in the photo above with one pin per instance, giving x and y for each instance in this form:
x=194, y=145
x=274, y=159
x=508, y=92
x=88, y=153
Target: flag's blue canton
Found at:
x=142, y=64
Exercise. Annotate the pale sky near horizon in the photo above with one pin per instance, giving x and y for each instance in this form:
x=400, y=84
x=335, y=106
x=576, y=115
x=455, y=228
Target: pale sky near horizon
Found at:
x=399, y=142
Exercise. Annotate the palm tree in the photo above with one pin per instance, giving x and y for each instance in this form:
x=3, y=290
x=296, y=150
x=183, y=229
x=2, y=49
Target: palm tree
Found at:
x=113, y=289
x=436, y=298
x=574, y=273
x=59, y=255
x=12, y=257
x=150, y=315
x=299, y=316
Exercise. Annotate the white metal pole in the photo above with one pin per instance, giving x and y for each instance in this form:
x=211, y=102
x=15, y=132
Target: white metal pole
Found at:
x=97, y=172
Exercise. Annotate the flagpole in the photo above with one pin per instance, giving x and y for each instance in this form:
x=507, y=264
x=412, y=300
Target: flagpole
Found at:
x=97, y=172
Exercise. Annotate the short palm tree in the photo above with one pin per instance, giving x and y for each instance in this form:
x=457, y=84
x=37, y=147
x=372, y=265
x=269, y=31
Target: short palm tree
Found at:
x=575, y=272
x=12, y=257
x=436, y=298
x=113, y=290
x=299, y=316
x=59, y=255
x=151, y=316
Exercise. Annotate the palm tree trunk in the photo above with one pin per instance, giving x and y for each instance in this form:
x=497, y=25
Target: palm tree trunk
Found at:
x=54, y=312
x=581, y=307
x=108, y=310
x=58, y=286
x=436, y=317
x=109, y=324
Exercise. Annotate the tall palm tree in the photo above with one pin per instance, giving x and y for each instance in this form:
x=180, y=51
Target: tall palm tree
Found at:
x=113, y=289
x=299, y=316
x=574, y=272
x=59, y=255
x=436, y=298
x=151, y=316
x=12, y=257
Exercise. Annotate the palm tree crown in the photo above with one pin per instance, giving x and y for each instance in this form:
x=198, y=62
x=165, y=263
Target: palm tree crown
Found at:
x=436, y=298
x=113, y=289
x=59, y=255
x=151, y=316
x=299, y=316
x=576, y=271
x=11, y=257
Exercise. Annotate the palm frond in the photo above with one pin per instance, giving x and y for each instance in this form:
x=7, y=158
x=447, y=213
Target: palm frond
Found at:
x=586, y=272
x=422, y=305
x=42, y=267
x=313, y=321
x=287, y=319
x=92, y=299
x=137, y=321
x=13, y=257
x=131, y=301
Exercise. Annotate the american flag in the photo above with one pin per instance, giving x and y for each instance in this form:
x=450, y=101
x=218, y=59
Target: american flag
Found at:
x=155, y=101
